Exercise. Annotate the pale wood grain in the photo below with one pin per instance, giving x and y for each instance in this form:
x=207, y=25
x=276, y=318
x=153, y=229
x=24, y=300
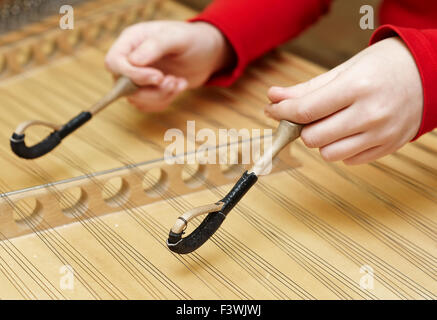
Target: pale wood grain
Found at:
x=302, y=232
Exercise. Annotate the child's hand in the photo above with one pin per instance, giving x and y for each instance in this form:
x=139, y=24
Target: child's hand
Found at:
x=364, y=109
x=167, y=57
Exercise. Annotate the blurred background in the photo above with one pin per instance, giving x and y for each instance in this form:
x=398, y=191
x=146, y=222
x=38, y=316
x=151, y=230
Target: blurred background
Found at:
x=334, y=39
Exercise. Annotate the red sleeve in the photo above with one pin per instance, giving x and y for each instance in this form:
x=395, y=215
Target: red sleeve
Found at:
x=254, y=27
x=423, y=46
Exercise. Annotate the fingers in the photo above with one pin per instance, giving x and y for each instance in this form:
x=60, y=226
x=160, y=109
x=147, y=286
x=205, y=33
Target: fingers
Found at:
x=140, y=76
x=348, y=147
x=315, y=105
x=154, y=48
x=132, y=55
x=342, y=124
x=157, y=98
x=121, y=48
x=137, y=48
x=116, y=62
x=277, y=94
x=369, y=155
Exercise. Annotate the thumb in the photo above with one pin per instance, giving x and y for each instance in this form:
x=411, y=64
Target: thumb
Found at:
x=277, y=94
x=153, y=49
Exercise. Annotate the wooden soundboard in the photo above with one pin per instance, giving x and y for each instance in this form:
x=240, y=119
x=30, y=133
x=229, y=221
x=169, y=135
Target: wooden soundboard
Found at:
x=90, y=220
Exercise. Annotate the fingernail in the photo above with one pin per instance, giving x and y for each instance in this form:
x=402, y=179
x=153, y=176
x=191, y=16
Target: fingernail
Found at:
x=276, y=88
x=169, y=85
x=155, y=79
x=183, y=84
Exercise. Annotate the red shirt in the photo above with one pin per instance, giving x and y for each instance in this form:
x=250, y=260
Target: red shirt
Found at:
x=253, y=27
